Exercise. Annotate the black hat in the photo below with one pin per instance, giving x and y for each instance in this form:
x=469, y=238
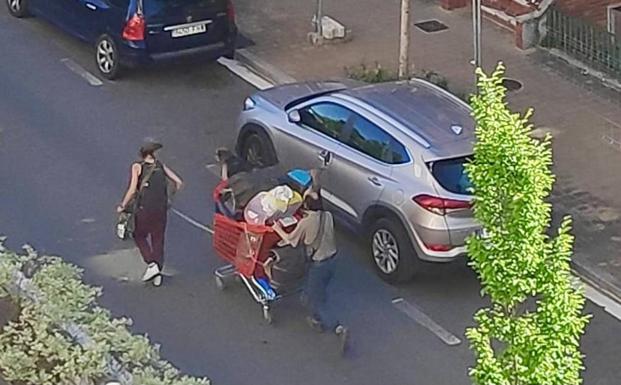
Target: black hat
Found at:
x=149, y=148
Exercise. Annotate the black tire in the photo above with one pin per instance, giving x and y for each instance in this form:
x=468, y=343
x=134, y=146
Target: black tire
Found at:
x=107, y=58
x=18, y=8
x=394, y=237
x=257, y=150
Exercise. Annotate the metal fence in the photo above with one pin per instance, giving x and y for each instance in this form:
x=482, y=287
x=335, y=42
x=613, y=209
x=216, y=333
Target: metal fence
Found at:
x=584, y=40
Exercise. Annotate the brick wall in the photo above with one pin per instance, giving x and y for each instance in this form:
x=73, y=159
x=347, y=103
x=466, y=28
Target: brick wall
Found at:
x=593, y=10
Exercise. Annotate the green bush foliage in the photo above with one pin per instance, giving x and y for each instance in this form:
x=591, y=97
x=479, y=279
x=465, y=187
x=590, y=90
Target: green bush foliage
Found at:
x=62, y=336
x=530, y=335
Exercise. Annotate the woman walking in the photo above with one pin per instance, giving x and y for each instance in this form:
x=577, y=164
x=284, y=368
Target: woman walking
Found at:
x=148, y=186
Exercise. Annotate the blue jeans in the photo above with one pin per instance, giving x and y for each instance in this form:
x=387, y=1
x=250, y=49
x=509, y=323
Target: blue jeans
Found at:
x=320, y=275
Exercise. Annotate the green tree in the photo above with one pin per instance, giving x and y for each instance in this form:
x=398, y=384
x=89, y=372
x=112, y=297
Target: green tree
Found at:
x=530, y=334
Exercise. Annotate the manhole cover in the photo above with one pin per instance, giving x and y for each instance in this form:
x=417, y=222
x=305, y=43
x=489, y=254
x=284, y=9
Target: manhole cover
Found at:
x=431, y=26
x=511, y=84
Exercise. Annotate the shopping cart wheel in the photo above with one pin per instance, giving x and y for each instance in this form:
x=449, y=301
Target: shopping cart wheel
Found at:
x=220, y=283
x=267, y=315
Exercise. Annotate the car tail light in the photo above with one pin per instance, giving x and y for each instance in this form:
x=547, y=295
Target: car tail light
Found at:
x=441, y=206
x=134, y=28
x=440, y=248
x=230, y=11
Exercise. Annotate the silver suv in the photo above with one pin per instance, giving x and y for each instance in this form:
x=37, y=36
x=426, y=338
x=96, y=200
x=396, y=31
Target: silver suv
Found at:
x=394, y=156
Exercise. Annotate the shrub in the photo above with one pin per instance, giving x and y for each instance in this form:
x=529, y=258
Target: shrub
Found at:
x=62, y=336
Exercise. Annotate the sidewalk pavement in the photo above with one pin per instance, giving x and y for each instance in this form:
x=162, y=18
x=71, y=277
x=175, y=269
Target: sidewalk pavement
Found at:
x=583, y=116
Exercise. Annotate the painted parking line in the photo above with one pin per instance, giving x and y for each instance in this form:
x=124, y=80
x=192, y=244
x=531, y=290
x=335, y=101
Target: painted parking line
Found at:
x=214, y=169
x=416, y=314
x=84, y=74
x=192, y=221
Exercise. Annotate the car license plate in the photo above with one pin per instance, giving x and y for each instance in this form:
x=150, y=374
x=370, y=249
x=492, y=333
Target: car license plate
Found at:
x=189, y=30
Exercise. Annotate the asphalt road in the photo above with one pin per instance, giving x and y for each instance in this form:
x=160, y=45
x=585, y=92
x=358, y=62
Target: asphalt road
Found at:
x=65, y=150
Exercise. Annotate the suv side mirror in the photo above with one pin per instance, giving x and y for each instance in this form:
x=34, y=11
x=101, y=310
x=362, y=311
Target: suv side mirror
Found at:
x=294, y=116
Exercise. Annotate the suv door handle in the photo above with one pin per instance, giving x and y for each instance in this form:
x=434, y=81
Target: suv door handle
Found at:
x=91, y=6
x=325, y=157
x=375, y=181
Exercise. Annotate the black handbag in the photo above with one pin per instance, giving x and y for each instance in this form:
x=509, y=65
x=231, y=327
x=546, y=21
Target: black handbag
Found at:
x=126, y=221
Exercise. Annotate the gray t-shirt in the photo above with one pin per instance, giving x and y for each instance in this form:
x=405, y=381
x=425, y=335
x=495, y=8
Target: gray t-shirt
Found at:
x=316, y=232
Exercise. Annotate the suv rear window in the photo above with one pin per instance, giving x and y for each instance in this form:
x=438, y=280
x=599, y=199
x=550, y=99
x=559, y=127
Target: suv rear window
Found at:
x=452, y=176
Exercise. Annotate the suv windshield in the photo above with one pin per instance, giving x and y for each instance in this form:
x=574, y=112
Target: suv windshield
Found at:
x=452, y=176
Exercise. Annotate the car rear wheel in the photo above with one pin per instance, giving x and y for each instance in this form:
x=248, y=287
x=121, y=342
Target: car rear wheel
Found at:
x=257, y=150
x=18, y=8
x=393, y=256
x=107, y=58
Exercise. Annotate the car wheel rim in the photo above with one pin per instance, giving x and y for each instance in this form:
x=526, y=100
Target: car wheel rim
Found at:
x=385, y=251
x=254, y=152
x=105, y=56
x=15, y=5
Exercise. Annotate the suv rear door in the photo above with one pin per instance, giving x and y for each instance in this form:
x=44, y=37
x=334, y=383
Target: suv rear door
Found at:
x=174, y=25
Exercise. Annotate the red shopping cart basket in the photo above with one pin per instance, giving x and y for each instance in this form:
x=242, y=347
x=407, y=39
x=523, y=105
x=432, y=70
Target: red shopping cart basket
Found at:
x=243, y=245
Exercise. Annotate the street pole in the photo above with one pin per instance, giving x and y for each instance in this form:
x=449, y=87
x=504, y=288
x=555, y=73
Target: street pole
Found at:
x=476, y=27
x=404, y=40
x=318, y=19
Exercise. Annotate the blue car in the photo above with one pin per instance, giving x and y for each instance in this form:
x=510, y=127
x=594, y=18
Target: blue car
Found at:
x=129, y=33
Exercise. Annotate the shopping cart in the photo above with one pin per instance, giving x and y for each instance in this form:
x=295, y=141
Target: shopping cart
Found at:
x=247, y=249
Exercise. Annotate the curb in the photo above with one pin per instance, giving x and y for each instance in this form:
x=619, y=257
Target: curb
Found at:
x=262, y=68
x=598, y=280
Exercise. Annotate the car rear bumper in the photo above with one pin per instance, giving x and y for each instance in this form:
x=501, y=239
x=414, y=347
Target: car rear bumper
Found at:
x=431, y=234
x=137, y=54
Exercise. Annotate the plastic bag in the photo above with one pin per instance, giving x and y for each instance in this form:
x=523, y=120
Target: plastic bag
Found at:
x=272, y=205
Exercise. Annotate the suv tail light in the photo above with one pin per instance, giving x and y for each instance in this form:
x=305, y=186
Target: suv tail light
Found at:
x=230, y=11
x=441, y=206
x=134, y=28
x=439, y=248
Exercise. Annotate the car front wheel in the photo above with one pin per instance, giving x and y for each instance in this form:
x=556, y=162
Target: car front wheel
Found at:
x=257, y=151
x=393, y=256
x=18, y=8
x=107, y=57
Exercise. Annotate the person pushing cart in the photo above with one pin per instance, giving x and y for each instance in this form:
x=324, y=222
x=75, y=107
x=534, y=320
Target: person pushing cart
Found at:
x=315, y=232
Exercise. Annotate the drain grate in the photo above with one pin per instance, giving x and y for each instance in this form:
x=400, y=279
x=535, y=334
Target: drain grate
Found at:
x=512, y=84
x=431, y=26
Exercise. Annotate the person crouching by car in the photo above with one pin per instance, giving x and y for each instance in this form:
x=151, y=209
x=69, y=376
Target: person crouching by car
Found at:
x=315, y=232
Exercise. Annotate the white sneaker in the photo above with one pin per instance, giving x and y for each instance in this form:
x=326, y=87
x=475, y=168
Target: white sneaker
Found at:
x=157, y=281
x=151, y=271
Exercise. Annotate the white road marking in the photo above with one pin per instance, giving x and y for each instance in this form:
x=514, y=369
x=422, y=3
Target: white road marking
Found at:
x=243, y=72
x=424, y=320
x=214, y=169
x=193, y=222
x=76, y=68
